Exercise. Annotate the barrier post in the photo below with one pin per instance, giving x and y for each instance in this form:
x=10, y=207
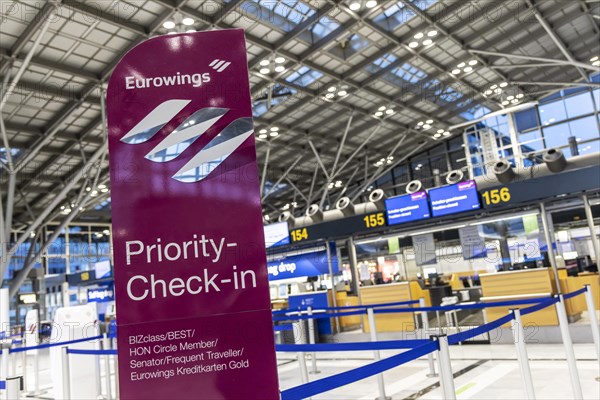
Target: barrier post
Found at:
x=13, y=388
x=4, y=364
x=66, y=379
x=106, y=345
x=24, y=367
x=519, y=339
x=570, y=354
x=373, y=332
x=589, y=299
x=445, y=367
x=425, y=324
x=36, y=371
x=117, y=378
x=311, y=340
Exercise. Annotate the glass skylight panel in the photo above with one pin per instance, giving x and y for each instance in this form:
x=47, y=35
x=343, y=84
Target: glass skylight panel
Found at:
x=398, y=75
x=397, y=14
x=281, y=14
x=409, y=73
x=352, y=45
x=323, y=27
x=13, y=152
x=304, y=76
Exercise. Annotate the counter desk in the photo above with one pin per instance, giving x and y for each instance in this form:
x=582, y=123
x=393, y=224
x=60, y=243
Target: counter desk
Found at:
x=388, y=293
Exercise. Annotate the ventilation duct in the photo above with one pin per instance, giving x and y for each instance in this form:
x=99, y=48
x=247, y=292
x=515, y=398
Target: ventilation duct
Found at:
x=454, y=177
x=555, y=160
x=377, y=197
x=345, y=206
x=414, y=187
x=315, y=213
x=287, y=216
x=503, y=171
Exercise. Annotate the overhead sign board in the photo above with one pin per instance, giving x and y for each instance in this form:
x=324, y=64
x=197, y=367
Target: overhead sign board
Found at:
x=297, y=266
x=190, y=271
x=277, y=234
x=339, y=228
x=407, y=208
x=454, y=199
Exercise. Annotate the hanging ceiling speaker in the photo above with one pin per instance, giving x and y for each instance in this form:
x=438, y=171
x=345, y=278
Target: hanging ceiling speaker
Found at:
x=345, y=206
x=414, y=187
x=287, y=216
x=454, y=176
x=315, y=213
x=555, y=160
x=504, y=171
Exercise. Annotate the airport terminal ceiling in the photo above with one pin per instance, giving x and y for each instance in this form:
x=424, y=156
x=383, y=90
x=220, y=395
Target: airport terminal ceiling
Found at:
x=337, y=86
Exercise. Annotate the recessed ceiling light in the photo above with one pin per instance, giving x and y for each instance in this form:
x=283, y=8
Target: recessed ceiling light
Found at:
x=596, y=63
x=264, y=62
x=473, y=62
x=427, y=42
x=455, y=71
x=378, y=114
x=432, y=33
x=498, y=91
x=426, y=126
x=429, y=121
x=171, y=32
x=493, y=87
x=437, y=135
x=190, y=31
x=510, y=97
x=104, y=190
x=262, y=136
x=382, y=108
x=264, y=70
x=419, y=35
x=169, y=25
x=594, y=59
x=274, y=134
x=515, y=101
x=520, y=96
x=187, y=21
x=420, y=123
x=279, y=60
x=329, y=96
x=413, y=45
x=468, y=69
x=262, y=131
x=504, y=84
x=274, y=129
x=440, y=131
x=389, y=111
x=279, y=68
x=462, y=64
x=371, y=3
x=101, y=186
x=505, y=103
x=446, y=133
x=331, y=89
x=355, y=5
x=488, y=92
x=342, y=93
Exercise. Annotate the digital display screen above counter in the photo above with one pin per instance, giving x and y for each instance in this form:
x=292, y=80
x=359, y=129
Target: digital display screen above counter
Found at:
x=454, y=199
x=407, y=208
x=277, y=234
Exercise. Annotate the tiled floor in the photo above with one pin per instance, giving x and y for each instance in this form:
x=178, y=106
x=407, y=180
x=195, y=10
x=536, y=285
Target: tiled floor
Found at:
x=481, y=372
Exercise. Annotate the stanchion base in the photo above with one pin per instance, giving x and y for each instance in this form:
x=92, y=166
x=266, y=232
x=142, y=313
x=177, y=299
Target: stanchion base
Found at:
x=432, y=375
x=314, y=372
x=386, y=398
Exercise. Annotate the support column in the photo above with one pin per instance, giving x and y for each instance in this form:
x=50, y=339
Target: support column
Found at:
x=592, y=227
x=550, y=244
x=352, y=261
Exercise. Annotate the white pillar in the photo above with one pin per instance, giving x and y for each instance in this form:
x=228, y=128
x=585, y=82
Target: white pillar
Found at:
x=4, y=311
x=311, y=340
x=568, y=343
x=522, y=357
x=589, y=299
x=445, y=366
x=373, y=331
x=425, y=323
x=66, y=376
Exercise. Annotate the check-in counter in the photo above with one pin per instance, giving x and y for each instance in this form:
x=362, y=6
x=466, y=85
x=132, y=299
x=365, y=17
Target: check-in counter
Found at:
x=343, y=300
x=517, y=285
x=390, y=293
x=416, y=292
x=577, y=305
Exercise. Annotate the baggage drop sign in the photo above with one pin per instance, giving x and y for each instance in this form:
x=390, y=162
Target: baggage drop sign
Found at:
x=191, y=287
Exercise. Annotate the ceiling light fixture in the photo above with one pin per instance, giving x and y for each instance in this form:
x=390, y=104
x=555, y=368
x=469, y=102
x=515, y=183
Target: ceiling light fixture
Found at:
x=464, y=67
x=387, y=110
x=187, y=21
x=169, y=25
x=355, y=5
x=371, y=3
x=422, y=39
x=335, y=92
x=595, y=61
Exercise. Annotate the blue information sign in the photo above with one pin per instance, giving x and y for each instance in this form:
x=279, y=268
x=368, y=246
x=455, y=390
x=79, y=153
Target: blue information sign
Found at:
x=454, y=199
x=296, y=266
x=407, y=208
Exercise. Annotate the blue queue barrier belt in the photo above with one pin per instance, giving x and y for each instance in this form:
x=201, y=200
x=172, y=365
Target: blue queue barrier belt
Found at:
x=537, y=307
x=47, y=345
x=93, y=352
x=279, y=328
x=575, y=293
x=2, y=385
x=416, y=309
x=352, y=346
x=344, y=378
x=399, y=303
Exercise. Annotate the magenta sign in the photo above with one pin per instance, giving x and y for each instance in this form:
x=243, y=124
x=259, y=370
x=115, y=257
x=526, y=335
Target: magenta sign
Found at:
x=193, y=308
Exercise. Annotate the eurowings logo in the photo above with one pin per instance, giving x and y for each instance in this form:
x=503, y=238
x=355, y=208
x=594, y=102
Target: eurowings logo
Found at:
x=194, y=126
